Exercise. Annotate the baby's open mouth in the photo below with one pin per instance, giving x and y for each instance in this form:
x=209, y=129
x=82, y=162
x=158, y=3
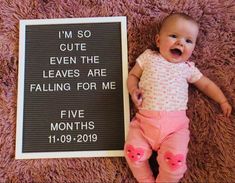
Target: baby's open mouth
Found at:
x=176, y=51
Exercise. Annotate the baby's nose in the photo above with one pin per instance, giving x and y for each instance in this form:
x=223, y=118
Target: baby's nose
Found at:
x=179, y=42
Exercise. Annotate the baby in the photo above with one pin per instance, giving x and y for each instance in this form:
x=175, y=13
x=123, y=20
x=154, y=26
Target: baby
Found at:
x=158, y=85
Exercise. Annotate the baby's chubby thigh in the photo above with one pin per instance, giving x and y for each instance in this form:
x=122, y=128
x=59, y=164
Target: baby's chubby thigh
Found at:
x=151, y=127
x=144, y=131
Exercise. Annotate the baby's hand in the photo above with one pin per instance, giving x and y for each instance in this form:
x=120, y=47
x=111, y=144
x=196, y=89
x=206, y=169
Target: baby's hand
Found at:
x=226, y=108
x=136, y=96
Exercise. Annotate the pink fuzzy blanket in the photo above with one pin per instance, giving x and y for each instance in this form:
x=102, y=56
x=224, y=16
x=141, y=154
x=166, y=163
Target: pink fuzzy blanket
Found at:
x=211, y=156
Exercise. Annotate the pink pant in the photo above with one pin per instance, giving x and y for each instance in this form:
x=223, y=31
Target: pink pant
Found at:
x=165, y=132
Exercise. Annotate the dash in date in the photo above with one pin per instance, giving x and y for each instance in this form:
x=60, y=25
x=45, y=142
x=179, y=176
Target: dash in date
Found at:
x=80, y=138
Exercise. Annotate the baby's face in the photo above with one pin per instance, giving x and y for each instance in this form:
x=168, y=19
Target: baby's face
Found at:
x=177, y=38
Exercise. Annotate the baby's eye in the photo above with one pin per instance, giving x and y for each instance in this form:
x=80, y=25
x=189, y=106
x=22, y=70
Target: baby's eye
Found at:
x=189, y=41
x=173, y=35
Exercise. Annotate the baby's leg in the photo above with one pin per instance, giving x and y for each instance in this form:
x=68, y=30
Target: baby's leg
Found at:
x=137, y=152
x=172, y=157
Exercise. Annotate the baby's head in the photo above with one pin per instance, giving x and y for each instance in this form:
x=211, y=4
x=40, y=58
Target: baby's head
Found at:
x=177, y=37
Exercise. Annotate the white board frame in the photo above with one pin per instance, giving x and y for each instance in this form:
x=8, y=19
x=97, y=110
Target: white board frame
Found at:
x=21, y=80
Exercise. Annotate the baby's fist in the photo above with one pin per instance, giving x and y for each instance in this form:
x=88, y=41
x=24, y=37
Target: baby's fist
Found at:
x=136, y=96
x=226, y=108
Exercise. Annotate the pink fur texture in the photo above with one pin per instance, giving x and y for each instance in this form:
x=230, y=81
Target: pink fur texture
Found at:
x=211, y=156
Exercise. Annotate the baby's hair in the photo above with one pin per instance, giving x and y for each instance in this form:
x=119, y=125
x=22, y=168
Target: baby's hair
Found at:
x=181, y=15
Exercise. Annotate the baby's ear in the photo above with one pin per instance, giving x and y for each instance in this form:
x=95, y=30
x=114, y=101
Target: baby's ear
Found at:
x=157, y=40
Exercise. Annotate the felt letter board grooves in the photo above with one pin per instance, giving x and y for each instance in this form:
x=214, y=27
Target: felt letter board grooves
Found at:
x=72, y=94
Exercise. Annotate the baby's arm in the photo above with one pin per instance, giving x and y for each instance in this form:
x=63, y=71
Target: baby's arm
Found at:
x=213, y=91
x=132, y=85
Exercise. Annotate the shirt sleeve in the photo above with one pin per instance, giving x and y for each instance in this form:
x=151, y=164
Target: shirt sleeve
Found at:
x=143, y=58
x=194, y=73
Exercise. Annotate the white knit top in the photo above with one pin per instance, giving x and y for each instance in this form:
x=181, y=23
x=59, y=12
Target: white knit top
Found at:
x=165, y=84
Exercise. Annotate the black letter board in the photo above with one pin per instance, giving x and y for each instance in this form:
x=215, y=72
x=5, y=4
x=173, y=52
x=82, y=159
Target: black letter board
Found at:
x=72, y=95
